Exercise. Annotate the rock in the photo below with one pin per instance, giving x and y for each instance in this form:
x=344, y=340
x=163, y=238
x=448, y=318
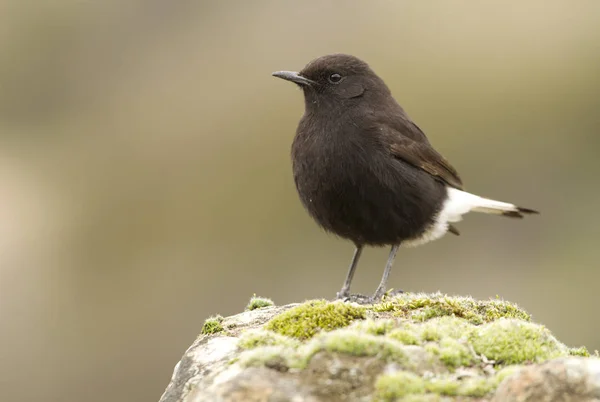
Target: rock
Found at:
x=410, y=347
x=566, y=379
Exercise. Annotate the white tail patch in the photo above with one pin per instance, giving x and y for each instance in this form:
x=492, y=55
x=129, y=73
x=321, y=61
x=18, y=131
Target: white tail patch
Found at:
x=460, y=203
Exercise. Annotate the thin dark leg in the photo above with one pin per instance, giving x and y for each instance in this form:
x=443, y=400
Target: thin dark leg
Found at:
x=345, y=292
x=386, y=273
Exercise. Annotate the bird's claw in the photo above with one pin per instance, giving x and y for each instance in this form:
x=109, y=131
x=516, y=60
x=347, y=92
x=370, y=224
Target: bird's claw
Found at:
x=353, y=298
x=363, y=299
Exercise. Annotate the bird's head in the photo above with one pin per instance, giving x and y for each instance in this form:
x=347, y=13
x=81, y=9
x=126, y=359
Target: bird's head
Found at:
x=336, y=79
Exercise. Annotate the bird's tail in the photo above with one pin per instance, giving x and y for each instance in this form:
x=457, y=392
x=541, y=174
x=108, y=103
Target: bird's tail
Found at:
x=488, y=206
x=460, y=202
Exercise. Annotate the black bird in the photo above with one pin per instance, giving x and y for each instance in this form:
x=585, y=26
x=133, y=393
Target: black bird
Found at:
x=366, y=172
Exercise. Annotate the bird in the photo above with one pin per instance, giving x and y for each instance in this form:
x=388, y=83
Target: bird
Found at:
x=366, y=172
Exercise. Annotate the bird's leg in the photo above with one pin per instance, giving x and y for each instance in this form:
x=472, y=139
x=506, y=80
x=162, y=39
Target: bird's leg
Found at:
x=345, y=292
x=386, y=273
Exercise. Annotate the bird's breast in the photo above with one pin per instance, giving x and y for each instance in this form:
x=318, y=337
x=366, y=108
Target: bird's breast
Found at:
x=351, y=186
x=335, y=172
x=331, y=160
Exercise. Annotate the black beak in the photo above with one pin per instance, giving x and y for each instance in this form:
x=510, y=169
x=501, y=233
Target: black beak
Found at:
x=293, y=77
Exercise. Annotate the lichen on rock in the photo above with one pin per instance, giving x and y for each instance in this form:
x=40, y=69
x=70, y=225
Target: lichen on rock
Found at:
x=421, y=347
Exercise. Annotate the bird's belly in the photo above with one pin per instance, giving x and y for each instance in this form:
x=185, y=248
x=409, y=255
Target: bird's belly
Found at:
x=354, y=202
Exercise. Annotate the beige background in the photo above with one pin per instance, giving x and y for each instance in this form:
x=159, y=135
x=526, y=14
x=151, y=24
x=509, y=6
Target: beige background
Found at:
x=145, y=179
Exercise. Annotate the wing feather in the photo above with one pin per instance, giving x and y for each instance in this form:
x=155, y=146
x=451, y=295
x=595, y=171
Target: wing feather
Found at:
x=417, y=151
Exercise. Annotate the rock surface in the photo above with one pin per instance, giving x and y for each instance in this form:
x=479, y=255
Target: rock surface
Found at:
x=569, y=379
x=410, y=347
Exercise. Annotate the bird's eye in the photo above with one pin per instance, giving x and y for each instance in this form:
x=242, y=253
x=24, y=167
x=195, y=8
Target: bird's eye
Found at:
x=335, y=78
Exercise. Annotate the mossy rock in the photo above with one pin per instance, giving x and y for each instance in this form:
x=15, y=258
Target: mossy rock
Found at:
x=415, y=347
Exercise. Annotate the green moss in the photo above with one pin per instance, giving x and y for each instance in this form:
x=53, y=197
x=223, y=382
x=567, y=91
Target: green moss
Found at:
x=455, y=354
x=212, y=325
x=434, y=330
x=582, y=351
x=443, y=386
x=284, y=351
x=423, y=307
x=405, y=336
x=398, y=386
x=256, y=338
x=258, y=302
x=442, y=327
x=443, y=337
x=304, y=321
x=374, y=327
x=269, y=356
x=394, y=386
x=477, y=387
x=509, y=341
x=431, y=333
x=493, y=310
x=353, y=343
x=424, y=398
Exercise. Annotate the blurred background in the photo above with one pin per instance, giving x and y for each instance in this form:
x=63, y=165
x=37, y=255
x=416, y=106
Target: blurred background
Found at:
x=145, y=178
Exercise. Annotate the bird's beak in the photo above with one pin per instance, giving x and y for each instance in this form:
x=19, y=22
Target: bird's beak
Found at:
x=293, y=77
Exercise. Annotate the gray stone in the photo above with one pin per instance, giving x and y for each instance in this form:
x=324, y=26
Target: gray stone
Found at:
x=413, y=347
x=572, y=379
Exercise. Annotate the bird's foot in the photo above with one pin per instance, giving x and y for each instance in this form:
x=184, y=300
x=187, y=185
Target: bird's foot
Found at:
x=376, y=298
x=353, y=298
x=394, y=292
x=342, y=295
x=364, y=299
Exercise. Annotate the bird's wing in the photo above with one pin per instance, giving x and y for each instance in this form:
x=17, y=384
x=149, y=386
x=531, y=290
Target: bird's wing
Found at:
x=420, y=154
